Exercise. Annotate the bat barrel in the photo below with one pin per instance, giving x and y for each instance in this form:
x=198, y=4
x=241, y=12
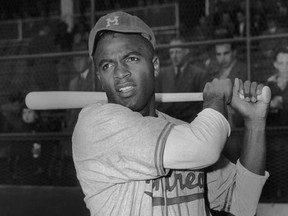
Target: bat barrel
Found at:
x=78, y=99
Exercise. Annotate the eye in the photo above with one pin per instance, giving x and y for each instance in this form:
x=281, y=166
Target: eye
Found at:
x=132, y=59
x=106, y=66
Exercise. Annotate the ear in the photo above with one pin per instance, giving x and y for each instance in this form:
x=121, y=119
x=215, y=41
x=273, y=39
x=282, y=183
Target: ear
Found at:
x=96, y=69
x=156, y=65
x=98, y=75
x=100, y=80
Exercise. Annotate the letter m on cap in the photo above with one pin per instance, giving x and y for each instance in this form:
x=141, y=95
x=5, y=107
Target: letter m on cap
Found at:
x=113, y=21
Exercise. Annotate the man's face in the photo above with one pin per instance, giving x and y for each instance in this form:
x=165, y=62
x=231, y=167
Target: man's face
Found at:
x=29, y=116
x=178, y=54
x=224, y=55
x=281, y=64
x=81, y=63
x=126, y=69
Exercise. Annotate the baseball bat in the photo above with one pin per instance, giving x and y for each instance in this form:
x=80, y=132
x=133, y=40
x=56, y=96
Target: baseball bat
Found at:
x=44, y=100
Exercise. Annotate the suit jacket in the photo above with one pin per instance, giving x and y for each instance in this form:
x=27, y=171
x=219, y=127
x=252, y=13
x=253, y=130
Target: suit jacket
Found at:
x=239, y=70
x=190, y=80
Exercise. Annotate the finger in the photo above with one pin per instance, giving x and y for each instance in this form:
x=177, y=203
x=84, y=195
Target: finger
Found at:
x=229, y=91
x=259, y=91
x=266, y=94
x=247, y=85
x=236, y=87
x=253, y=92
x=240, y=90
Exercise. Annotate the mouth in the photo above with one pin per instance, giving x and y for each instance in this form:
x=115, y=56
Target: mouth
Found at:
x=126, y=90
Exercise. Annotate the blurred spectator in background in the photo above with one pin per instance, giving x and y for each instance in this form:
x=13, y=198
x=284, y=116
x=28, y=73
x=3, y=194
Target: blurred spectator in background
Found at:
x=278, y=83
x=24, y=167
x=278, y=116
x=225, y=64
x=10, y=122
x=64, y=42
x=240, y=25
x=81, y=31
x=268, y=46
x=282, y=11
x=83, y=79
x=11, y=111
x=43, y=69
x=226, y=26
x=30, y=160
x=258, y=23
x=180, y=76
x=203, y=30
x=63, y=38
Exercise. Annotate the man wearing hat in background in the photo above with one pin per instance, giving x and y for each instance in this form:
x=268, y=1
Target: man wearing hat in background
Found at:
x=83, y=79
x=133, y=160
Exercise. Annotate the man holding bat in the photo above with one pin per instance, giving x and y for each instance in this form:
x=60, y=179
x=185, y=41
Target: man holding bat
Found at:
x=134, y=160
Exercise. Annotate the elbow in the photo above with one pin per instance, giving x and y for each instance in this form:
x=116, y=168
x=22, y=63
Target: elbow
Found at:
x=212, y=155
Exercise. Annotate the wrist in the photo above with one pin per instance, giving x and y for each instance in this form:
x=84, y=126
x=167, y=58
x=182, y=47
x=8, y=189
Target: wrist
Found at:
x=216, y=104
x=255, y=124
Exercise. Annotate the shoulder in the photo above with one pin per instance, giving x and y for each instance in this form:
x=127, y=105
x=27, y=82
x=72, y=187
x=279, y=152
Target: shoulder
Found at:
x=104, y=111
x=170, y=119
x=103, y=118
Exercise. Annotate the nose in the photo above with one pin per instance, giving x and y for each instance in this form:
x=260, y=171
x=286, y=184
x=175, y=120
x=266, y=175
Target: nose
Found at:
x=121, y=71
x=220, y=59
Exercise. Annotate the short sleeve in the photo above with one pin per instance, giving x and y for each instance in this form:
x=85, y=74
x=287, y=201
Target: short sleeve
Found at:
x=113, y=144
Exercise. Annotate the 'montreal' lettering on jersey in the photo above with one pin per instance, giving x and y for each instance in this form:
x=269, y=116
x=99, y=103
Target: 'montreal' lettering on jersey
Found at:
x=113, y=21
x=182, y=188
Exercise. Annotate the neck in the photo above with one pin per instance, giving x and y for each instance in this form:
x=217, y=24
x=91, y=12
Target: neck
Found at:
x=149, y=109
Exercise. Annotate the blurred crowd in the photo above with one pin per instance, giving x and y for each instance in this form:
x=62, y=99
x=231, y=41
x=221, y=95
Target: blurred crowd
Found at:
x=183, y=69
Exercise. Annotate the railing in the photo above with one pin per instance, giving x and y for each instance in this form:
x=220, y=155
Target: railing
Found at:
x=23, y=29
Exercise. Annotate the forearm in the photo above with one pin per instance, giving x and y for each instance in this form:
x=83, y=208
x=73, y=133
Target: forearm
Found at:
x=253, y=153
x=196, y=145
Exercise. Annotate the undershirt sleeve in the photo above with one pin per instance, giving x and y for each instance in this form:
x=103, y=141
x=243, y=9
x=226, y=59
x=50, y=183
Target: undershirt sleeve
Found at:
x=232, y=188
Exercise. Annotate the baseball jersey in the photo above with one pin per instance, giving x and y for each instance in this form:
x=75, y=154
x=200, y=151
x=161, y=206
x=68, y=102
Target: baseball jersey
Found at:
x=118, y=156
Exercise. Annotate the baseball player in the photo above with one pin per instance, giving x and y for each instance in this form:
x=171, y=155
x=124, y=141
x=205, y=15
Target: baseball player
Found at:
x=134, y=160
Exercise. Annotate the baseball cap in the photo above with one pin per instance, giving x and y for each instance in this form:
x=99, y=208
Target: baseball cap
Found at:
x=119, y=22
